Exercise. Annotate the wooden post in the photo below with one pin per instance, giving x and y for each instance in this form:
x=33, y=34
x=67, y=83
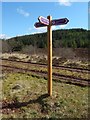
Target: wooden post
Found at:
x=42, y=23
x=49, y=43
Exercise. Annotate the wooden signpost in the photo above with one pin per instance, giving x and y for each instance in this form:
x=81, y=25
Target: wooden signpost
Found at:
x=49, y=23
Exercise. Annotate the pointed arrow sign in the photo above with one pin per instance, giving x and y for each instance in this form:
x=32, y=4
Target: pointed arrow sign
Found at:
x=38, y=24
x=60, y=21
x=43, y=20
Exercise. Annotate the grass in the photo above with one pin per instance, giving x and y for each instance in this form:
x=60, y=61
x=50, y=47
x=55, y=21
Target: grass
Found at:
x=32, y=101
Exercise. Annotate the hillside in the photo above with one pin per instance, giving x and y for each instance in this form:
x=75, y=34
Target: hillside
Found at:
x=65, y=38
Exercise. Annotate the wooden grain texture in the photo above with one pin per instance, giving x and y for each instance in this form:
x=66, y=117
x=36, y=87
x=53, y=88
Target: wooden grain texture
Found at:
x=49, y=42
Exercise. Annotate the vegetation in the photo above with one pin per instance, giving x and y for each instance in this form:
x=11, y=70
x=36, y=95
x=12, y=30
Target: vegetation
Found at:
x=26, y=97
x=72, y=38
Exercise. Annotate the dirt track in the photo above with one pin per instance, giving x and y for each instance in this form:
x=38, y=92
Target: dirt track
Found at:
x=12, y=66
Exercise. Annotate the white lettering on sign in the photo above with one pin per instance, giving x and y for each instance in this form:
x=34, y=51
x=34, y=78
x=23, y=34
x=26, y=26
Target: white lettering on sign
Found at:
x=43, y=20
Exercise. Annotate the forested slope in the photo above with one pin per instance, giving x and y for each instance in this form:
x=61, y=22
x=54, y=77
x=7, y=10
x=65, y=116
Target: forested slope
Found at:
x=65, y=38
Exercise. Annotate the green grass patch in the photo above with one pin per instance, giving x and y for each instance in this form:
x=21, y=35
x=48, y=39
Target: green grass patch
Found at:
x=29, y=94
